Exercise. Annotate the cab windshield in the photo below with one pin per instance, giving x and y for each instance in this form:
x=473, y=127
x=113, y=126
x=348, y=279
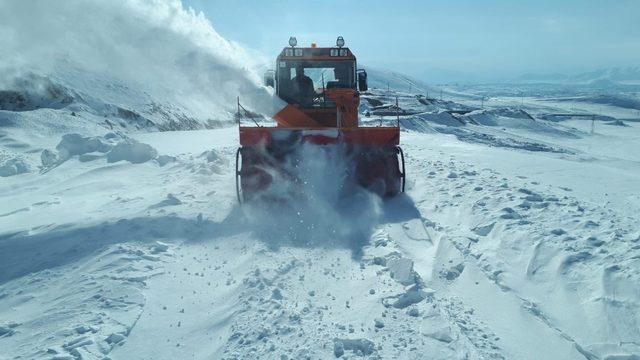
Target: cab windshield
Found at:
x=303, y=82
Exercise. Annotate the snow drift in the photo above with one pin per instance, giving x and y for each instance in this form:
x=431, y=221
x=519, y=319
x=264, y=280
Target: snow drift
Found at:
x=112, y=146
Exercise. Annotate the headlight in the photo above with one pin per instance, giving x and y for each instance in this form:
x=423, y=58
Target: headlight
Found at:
x=293, y=41
x=340, y=42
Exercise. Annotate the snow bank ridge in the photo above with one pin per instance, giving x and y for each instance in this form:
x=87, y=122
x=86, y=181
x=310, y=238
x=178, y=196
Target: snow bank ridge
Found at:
x=113, y=147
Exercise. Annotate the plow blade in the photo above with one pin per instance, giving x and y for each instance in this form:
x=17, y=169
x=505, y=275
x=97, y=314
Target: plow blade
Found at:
x=371, y=156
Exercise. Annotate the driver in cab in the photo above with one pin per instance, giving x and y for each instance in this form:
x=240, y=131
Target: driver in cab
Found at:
x=303, y=87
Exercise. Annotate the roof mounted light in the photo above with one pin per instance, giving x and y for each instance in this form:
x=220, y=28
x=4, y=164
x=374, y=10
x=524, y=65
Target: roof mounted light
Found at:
x=340, y=42
x=293, y=41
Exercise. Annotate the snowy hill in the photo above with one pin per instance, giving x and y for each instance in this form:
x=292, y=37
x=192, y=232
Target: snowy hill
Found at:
x=517, y=237
x=106, y=101
x=161, y=64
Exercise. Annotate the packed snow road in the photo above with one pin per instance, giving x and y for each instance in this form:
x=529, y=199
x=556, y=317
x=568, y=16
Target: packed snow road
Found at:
x=486, y=256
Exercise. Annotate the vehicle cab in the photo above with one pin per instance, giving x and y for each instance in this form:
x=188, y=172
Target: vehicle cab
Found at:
x=323, y=83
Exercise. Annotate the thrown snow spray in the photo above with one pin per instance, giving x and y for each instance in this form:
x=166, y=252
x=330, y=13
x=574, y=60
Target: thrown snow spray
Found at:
x=315, y=201
x=160, y=47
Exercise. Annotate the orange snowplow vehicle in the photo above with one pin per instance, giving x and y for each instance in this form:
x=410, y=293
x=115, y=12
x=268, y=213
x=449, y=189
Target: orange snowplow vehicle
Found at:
x=321, y=87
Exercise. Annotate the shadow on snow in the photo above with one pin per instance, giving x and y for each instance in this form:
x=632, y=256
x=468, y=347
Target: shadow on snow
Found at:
x=349, y=225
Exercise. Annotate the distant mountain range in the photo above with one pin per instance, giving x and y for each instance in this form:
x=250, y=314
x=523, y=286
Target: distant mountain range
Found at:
x=613, y=76
x=604, y=77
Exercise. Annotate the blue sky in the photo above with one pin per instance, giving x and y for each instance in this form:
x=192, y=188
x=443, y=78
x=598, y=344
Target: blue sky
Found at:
x=444, y=40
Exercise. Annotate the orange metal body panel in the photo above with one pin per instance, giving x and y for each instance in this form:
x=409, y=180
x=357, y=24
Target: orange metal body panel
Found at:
x=293, y=116
x=377, y=136
x=347, y=102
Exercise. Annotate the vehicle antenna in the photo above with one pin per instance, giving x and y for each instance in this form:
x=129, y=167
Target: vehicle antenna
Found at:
x=324, y=96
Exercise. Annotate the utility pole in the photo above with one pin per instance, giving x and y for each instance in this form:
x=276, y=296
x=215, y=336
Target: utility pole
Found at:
x=440, y=94
x=593, y=124
x=482, y=102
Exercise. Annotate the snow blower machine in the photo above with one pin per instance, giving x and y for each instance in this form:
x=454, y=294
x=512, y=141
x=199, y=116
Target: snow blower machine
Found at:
x=321, y=87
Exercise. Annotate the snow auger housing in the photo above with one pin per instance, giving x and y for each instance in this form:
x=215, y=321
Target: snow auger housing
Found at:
x=321, y=88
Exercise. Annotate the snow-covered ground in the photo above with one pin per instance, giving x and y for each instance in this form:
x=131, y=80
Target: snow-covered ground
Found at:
x=517, y=237
x=119, y=249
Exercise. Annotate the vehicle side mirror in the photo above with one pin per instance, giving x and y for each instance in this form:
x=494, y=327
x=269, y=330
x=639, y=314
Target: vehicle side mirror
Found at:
x=270, y=78
x=362, y=80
